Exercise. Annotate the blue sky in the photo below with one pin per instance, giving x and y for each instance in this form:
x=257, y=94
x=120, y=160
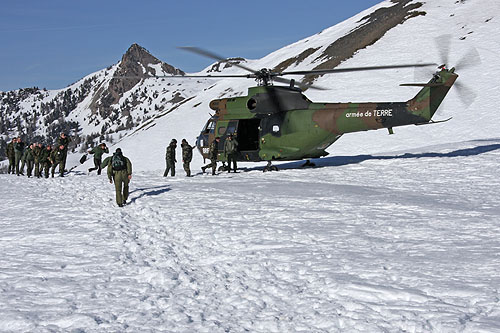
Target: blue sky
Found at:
x=51, y=44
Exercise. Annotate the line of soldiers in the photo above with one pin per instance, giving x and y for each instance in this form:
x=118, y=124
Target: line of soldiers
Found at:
x=187, y=156
x=38, y=157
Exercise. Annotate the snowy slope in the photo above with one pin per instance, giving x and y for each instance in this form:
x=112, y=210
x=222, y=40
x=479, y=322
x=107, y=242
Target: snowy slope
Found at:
x=366, y=243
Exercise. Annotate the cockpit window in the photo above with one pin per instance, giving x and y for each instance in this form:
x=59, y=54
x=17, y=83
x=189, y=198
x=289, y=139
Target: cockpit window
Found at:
x=210, y=126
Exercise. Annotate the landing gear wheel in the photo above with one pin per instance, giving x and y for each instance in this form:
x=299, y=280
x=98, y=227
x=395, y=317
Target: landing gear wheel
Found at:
x=270, y=167
x=308, y=163
x=222, y=168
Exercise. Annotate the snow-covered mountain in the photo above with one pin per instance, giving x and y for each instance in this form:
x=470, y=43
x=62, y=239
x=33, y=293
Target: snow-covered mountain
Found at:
x=149, y=112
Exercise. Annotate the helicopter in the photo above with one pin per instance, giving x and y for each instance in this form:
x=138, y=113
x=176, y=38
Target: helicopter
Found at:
x=279, y=123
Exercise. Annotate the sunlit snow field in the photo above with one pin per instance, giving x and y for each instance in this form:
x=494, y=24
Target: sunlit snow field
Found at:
x=374, y=243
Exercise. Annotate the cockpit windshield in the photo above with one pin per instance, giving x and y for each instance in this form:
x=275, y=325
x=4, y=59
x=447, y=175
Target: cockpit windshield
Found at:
x=210, y=126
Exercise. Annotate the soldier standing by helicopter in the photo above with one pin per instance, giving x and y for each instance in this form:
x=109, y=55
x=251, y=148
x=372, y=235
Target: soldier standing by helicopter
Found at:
x=212, y=154
x=170, y=158
x=187, y=156
x=230, y=149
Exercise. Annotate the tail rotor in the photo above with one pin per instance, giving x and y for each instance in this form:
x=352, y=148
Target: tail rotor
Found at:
x=469, y=59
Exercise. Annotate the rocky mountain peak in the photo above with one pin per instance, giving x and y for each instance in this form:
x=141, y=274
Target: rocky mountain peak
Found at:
x=137, y=60
x=136, y=64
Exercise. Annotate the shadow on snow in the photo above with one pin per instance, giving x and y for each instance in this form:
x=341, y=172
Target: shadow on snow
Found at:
x=346, y=160
x=149, y=191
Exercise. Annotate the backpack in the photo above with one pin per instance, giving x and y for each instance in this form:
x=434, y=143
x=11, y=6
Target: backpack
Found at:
x=118, y=162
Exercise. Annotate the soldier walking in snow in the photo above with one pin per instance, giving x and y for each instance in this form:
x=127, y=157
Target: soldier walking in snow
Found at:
x=64, y=141
x=187, y=156
x=45, y=162
x=120, y=171
x=212, y=154
x=18, y=151
x=57, y=156
x=11, y=154
x=98, y=151
x=37, y=150
x=29, y=159
x=170, y=158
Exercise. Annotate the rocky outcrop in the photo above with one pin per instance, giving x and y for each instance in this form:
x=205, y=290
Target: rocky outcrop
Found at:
x=136, y=64
x=371, y=28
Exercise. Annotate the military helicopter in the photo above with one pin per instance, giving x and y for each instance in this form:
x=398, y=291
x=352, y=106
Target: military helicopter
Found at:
x=279, y=123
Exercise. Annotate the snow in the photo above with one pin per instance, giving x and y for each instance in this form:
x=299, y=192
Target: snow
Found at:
x=403, y=241
x=390, y=233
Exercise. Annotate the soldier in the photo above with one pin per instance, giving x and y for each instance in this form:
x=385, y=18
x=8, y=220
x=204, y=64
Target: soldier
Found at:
x=230, y=149
x=37, y=150
x=18, y=151
x=64, y=141
x=187, y=156
x=120, y=171
x=57, y=158
x=212, y=155
x=170, y=158
x=98, y=151
x=29, y=159
x=11, y=154
x=45, y=162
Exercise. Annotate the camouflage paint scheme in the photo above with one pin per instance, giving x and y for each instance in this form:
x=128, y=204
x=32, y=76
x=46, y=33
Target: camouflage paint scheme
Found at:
x=291, y=127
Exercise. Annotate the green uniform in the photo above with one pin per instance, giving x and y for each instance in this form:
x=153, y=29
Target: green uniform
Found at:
x=212, y=155
x=11, y=154
x=98, y=152
x=170, y=159
x=36, y=153
x=230, y=149
x=63, y=142
x=29, y=159
x=120, y=178
x=45, y=162
x=106, y=161
x=57, y=156
x=187, y=156
x=18, y=151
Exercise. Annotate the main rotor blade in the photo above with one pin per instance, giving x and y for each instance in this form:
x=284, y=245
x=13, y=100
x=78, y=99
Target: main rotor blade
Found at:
x=298, y=84
x=214, y=56
x=250, y=76
x=353, y=69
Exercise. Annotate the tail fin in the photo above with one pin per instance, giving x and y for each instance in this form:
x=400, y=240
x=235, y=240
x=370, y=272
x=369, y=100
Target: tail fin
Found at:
x=427, y=101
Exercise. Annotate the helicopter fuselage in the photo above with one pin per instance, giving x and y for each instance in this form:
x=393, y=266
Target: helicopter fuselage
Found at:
x=281, y=123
